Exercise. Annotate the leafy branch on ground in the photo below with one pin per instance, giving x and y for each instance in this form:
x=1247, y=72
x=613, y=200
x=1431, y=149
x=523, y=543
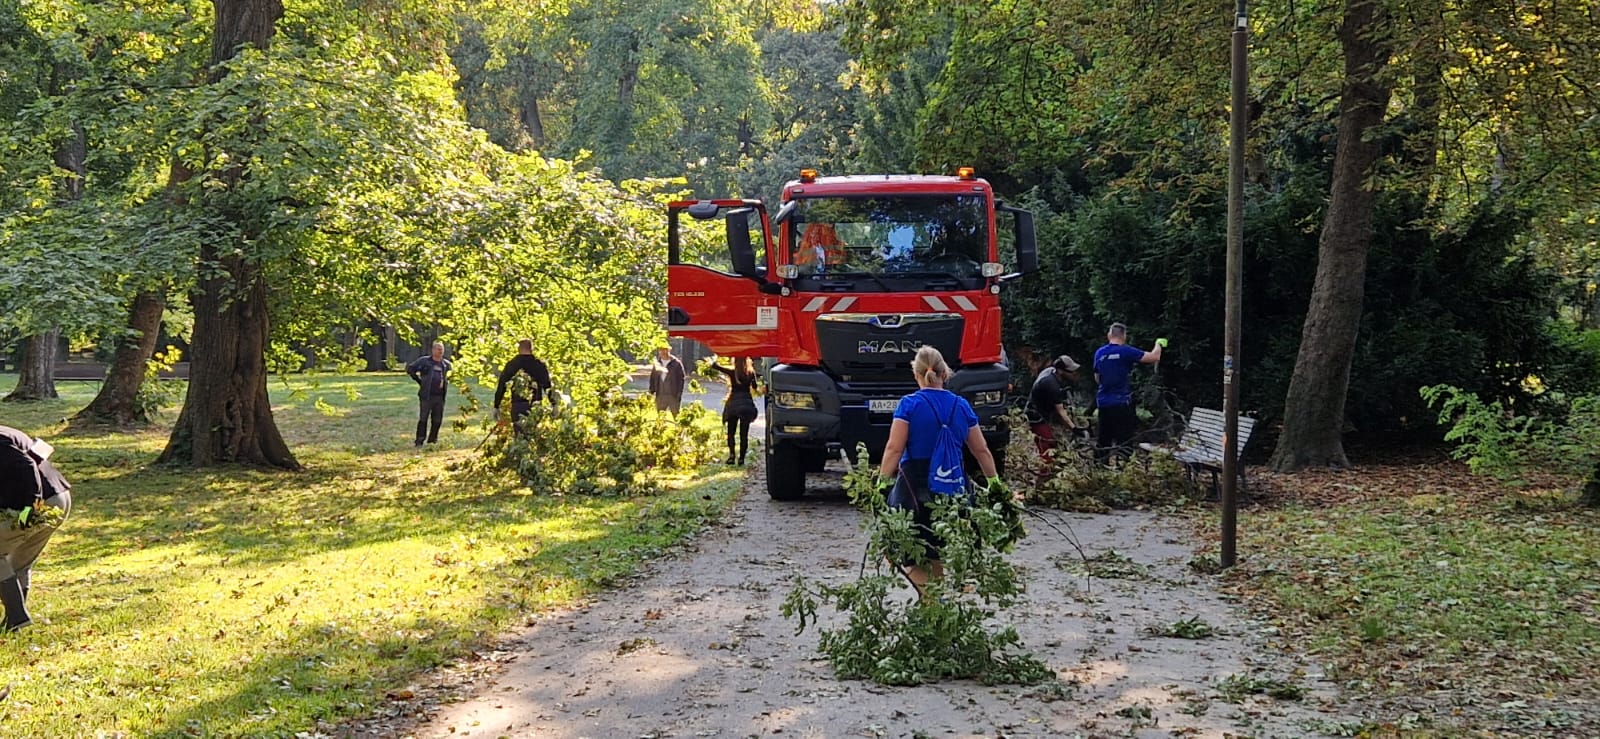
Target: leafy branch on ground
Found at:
x=1069, y=477
x=1235, y=688
x=1192, y=627
x=894, y=639
x=1107, y=565
x=608, y=444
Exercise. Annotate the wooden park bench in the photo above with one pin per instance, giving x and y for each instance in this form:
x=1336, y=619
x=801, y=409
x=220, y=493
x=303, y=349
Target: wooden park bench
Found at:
x=80, y=371
x=1200, y=446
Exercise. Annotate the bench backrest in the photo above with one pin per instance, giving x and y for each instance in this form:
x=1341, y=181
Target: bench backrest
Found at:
x=1203, y=432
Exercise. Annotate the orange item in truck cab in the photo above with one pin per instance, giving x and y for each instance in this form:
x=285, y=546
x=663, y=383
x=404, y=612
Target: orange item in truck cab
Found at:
x=819, y=245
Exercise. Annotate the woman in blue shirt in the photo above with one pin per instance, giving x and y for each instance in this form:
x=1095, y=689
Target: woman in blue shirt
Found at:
x=917, y=421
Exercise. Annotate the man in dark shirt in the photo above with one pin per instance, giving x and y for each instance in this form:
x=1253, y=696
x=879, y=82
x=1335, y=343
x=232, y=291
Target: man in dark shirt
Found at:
x=27, y=483
x=536, y=371
x=432, y=374
x=1050, y=400
x=667, y=380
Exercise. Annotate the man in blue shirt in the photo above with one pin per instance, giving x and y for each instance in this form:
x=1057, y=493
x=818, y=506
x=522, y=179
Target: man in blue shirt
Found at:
x=1113, y=363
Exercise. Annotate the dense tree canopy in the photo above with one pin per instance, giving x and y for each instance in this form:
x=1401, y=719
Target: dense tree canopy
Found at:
x=491, y=170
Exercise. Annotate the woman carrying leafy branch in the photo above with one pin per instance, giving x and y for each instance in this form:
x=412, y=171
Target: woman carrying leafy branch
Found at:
x=925, y=441
x=739, y=409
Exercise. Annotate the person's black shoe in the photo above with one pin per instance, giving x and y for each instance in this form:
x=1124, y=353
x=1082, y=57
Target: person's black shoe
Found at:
x=729, y=460
x=418, y=442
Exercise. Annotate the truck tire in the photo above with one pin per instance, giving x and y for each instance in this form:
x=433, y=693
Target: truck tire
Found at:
x=786, y=475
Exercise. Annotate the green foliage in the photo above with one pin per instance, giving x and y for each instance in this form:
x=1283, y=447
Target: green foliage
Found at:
x=156, y=393
x=1192, y=627
x=609, y=444
x=1070, y=478
x=1561, y=436
x=941, y=635
x=1235, y=688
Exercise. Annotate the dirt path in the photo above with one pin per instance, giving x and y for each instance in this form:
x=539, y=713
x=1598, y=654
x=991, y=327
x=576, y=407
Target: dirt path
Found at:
x=698, y=649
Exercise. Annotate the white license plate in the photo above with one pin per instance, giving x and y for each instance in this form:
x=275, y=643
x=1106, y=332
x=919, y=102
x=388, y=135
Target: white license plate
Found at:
x=882, y=405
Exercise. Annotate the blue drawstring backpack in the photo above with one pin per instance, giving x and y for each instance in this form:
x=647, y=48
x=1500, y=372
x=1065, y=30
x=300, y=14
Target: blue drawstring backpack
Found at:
x=945, y=475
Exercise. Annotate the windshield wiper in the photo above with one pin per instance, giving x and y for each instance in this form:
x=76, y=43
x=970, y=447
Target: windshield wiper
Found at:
x=867, y=275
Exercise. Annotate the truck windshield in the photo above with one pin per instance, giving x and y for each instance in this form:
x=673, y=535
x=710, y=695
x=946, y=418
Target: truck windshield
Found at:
x=909, y=236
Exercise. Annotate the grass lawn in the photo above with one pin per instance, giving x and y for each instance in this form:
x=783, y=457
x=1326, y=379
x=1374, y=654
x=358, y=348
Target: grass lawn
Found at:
x=1421, y=580
x=238, y=602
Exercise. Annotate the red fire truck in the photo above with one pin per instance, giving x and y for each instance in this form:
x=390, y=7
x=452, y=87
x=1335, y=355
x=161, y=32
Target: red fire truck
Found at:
x=841, y=286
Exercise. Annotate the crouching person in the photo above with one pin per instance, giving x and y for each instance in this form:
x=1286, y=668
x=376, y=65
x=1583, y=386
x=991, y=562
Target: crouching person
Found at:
x=34, y=500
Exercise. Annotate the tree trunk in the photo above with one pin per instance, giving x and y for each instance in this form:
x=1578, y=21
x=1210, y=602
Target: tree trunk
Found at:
x=533, y=121
x=1591, y=489
x=1314, y=410
x=36, y=375
x=379, y=348
x=118, y=401
x=226, y=414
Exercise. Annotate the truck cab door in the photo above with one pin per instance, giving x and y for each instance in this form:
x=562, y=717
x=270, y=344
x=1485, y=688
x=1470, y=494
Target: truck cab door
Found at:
x=717, y=291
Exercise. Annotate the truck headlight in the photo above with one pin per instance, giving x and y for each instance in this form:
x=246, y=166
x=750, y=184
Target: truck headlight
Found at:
x=988, y=397
x=797, y=401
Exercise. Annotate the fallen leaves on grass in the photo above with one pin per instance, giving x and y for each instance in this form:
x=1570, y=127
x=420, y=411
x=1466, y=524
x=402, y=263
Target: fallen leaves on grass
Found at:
x=1422, y=584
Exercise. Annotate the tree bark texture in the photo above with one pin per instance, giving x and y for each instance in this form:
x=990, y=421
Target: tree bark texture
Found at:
x=1591, y=488
x=534, y=121
x=227, y=416
x=1314, y=415
x=117, y=403
x=241, y=23
x=378, y=349
x=36, y=375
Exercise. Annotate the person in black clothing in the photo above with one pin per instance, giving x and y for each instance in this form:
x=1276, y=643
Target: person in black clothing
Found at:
x=28, y=483
x=1053, y=401
x=537, y=373
x=668, y=380
x=739, y=410
x=432, y=374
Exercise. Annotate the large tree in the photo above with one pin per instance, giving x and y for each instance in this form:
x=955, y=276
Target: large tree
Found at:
x=88, y=257
x=226, y=415
x=1475, y=118
x=1313, y=422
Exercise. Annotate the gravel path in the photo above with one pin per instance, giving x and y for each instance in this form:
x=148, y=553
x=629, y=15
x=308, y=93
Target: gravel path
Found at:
x=697, y=648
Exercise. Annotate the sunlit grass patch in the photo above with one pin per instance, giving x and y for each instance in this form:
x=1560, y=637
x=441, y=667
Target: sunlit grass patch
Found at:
x=241, y=602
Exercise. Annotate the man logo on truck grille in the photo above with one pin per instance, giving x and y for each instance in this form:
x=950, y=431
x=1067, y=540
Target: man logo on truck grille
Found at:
x=887, y=347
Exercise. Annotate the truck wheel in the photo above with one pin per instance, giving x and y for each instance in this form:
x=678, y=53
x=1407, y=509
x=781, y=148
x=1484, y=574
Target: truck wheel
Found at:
x=786, y=477
x=999, y=461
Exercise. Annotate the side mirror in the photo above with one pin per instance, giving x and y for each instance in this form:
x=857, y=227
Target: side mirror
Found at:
x=704, y=210
x=784, y=213
x=1027, y=240
x=740, y=250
